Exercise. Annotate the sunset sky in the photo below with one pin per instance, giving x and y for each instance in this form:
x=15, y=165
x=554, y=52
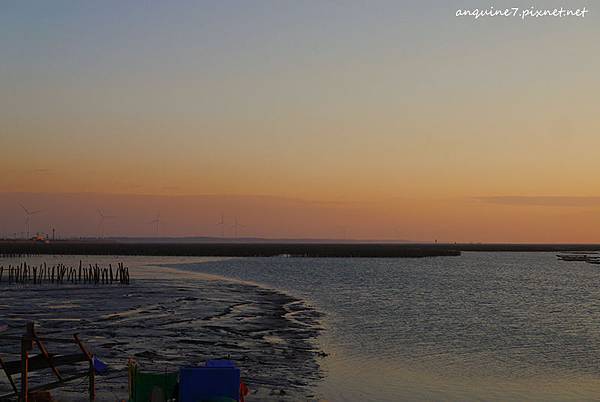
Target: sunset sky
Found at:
x=324, y=119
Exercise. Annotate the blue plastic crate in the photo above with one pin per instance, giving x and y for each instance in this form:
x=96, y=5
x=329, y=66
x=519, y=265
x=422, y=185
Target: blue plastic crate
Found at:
x=198, y=384
x=219, y=363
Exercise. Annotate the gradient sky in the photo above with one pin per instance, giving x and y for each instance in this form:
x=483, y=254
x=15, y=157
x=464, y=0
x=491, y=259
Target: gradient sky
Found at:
x=423, y=125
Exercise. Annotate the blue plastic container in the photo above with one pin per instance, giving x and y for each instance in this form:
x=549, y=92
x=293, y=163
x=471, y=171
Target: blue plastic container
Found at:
x=198, y=384
x=220, y=363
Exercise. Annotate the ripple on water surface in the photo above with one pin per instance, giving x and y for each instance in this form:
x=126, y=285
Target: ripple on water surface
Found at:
x=481, y=326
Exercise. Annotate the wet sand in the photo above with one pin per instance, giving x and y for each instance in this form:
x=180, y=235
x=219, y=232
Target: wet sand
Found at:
x=168, y=318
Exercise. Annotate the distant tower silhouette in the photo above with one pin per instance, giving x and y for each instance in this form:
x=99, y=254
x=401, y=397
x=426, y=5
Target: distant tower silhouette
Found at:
x=344, y=232
x=236, y=226
x=222, y=224
x=102, y=223
x=156, y=222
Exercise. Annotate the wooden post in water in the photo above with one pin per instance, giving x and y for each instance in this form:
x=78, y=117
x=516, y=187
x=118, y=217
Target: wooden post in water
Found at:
x=92, y=371
x=26, y=346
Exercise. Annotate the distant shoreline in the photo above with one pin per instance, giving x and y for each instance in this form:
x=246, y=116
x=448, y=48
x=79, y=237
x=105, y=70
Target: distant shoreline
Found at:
x=239, y=249
x=271, y=249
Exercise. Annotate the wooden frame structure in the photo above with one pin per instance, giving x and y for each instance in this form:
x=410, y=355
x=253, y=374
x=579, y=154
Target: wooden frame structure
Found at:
x=45, y=360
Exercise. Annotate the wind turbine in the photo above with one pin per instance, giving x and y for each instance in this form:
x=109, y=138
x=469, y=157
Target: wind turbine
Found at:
x=102, y=219
x=222, y=224
x=398, y=234
x=28, y=215
x=156, y=222
x=236, y=226
x=344, y=232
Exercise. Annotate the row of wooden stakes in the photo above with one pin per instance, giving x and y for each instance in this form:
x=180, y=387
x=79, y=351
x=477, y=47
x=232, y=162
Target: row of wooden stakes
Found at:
x=16, y=255
x=62, y=274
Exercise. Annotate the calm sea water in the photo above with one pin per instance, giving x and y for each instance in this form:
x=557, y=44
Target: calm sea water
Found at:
x=484, y=326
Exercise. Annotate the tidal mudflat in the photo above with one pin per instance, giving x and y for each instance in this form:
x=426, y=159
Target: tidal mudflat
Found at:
x=168, y=318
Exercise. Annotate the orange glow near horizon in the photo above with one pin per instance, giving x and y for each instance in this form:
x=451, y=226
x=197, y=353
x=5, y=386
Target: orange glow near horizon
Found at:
x=463, y=220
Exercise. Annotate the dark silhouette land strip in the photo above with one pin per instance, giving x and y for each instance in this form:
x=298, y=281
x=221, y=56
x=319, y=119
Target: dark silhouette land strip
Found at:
x=19, y=248
x=270, y=248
